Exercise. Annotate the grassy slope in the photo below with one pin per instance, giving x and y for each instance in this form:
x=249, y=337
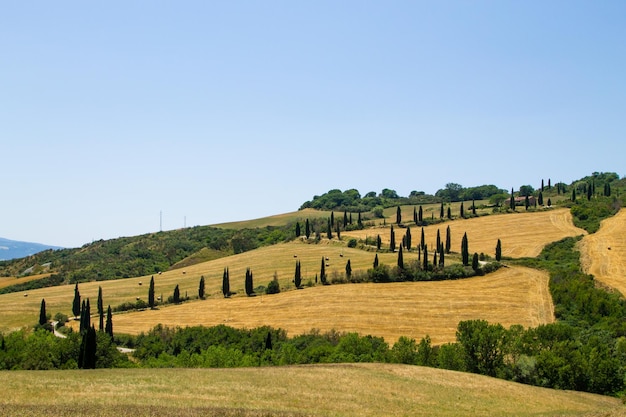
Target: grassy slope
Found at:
x=321, y=390
x=526, y=230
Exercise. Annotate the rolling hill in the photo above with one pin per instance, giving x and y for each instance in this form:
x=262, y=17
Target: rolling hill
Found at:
x=13, y=249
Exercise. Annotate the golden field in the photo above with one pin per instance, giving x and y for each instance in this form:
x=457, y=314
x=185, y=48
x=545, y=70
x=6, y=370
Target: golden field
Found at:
x=320, y=390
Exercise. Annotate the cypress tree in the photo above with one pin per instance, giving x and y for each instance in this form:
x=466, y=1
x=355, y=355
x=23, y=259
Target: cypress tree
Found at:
x=329, y=231
x=425, y=266
x=449, y=213
x=573, y=194
x=249, y=283
x=176, y=295
x=100, y=310
x=475, y=262
x=422, y=240
x=375, y=260
x=408, y=238
x=323, y=272
x=359, y=222
x=441, y=211
x=542, y=184
x=462, y=211
x=420, y=215
x=540, y=198
x=76, y=303
x=498, y=250
x=400, y=259
x=526, y=202
x=549, y=203
x=345, y=218
x=226, y=283
x=392, y=243
x=512, y=201
x=88, y=348
x=151, y=293
x=378, y=242
x=435, y=259
x=297, y=229
x=307, y=229
x=350, y=221
x=589, y=193
x=473, y=207
x=108, y=328
x=332, y=217
x=414, y=215
x=201, y=288
x=549, y=184
x=348, y=270
x=441, y=259
x=448, y=240
x=268, y=341
x=438, y=239
x=398, y=215
x=297, y=277
x=43, y=319
x=465, y=250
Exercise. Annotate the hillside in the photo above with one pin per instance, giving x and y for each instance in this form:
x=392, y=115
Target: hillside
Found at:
x=322, y=390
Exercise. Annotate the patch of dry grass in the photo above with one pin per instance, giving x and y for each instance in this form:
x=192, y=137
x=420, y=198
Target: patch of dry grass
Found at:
x=523, y=234
x=320, y=390
x=603, y=253
x=8, y=281
x=414, y=309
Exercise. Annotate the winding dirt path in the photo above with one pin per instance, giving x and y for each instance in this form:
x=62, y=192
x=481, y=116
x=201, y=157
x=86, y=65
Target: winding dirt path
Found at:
x=603, y=254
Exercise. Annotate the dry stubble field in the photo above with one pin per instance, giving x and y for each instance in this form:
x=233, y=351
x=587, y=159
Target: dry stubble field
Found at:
x=319, y=390
x=603, y=253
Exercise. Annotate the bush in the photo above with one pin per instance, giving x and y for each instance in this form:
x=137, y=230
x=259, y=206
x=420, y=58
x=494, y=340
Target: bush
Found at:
x=352, y=243
x=273, y=287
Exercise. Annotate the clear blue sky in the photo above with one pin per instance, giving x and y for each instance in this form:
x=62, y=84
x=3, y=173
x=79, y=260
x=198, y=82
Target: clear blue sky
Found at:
x=214, y=111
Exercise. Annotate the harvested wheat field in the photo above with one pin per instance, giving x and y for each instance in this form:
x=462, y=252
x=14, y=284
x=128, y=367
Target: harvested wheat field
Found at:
x=522, y=234
x=603, y=254
x=414, y=309
x=317, y=390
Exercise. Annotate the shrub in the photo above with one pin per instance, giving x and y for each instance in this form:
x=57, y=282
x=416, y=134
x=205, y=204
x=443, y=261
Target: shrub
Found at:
x=352, y=243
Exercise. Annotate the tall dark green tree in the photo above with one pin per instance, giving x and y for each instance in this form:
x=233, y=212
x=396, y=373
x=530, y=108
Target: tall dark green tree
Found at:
x=449, y=213
x=88, y=349
x=201, y=288
x=448, y=240
x=435, y=259
x=329, y=229
x=76, y=304
x=442, y=263
x=151, y=293
x=542, y=184
x=438, y=239
x=398, y=215
x=307, y=229
x=378, y=242
x=297, y=229
x=573, y=194
x=249, y=283
x=359, y=221
x=425, y=265
x=176, y=295
x=85, y=316
x=348, y=270
x=465, y=250
x=392, y=243
x=589, y=193
x=441, y=211
x=498, y=250
x=108, y=328
x=526, y=202
x=407, y=238
x=226, y=283
x=332, y=217
x=512, y=200
x=400, y=258
x=375, y=260
x=420, y=215
x=422, y=240
x=43, y=318
x=345, y=218
x=462, y=211
x=414, y=214
x=297, y=276
x=473, y=207
x=323, y=272
x=540, y=198
x=100, y=310
x=475, y=263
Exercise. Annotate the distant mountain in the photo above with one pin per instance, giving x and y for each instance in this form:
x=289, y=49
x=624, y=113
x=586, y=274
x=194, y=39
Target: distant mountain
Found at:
x=12, y=249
